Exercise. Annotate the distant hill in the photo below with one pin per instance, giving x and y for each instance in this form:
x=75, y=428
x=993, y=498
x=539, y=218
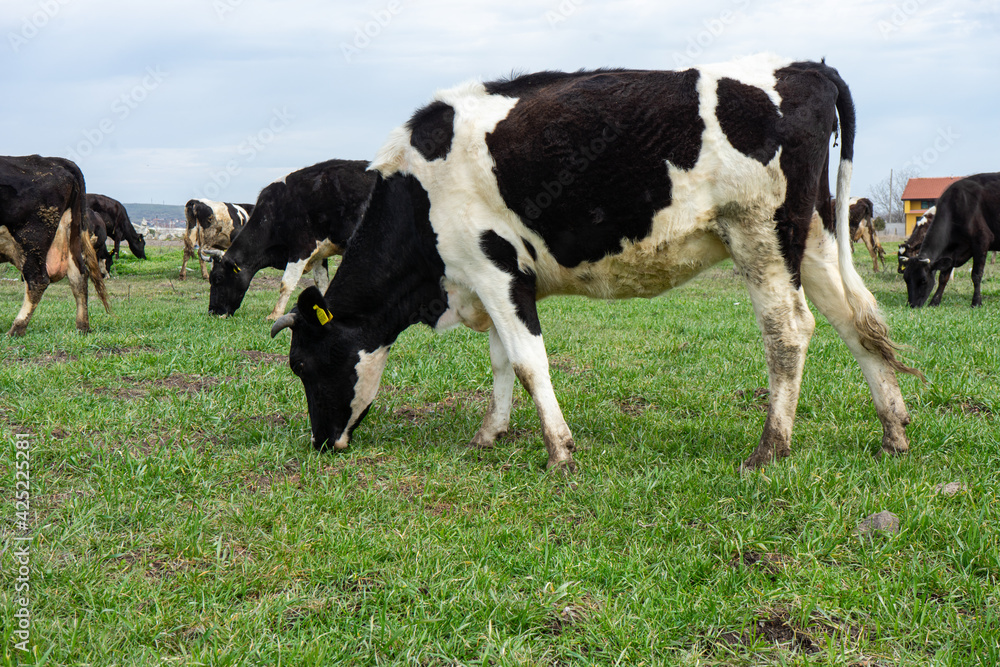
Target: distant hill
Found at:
x=136, y=212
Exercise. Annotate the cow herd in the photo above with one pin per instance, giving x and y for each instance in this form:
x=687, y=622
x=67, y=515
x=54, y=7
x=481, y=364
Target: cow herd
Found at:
x=609, y=183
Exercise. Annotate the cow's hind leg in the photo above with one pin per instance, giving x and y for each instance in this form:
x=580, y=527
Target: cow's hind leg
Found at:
x=497, y=417
x=863, y=330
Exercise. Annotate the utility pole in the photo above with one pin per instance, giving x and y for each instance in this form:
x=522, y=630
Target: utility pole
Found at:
x=891, y=197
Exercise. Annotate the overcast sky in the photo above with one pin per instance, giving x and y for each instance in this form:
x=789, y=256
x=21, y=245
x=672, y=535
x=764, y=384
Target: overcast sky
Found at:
x=164, y=101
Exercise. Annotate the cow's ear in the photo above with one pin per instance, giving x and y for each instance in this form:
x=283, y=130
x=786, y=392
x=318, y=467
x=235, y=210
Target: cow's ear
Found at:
x=312, y=307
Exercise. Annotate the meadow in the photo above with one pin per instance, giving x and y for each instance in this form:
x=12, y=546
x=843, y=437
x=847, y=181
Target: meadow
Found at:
x=180, y=516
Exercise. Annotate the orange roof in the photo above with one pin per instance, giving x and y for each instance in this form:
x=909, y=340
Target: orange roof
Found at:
x=928, y=188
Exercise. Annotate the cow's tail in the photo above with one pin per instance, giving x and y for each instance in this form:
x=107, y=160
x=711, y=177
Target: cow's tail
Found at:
x=868, y=319
x=94, y=269
x=79, y=208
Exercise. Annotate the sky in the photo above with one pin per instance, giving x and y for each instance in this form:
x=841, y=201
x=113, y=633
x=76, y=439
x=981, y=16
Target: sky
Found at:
x=160, y=102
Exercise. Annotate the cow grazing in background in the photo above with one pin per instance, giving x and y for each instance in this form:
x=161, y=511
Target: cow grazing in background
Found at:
x=96, y=226
x=910, y=248
x=42, y=208
x=966, y=226
x=863, y=229
x=211, y=224
x=610, y=184
x=297, y=223
x=119, y=227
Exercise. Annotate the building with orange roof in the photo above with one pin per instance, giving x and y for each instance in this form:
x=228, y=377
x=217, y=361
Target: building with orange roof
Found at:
x=920, y=194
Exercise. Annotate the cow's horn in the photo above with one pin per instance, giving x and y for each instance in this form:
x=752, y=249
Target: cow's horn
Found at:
x=285, y=321
x=924, y=260
x=213, y=253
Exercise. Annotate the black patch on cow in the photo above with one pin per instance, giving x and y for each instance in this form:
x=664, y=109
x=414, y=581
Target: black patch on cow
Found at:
x=234, y=215
x=582, y=158
x=748, y=118
x=812, y=96
x=522, y=288
x=200, y=212
x=431, y=130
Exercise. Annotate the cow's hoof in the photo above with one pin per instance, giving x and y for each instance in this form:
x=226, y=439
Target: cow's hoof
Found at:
x=273, y=317
x=17, y=330
x=890, y=451
x=480, y=441
x=565, y=466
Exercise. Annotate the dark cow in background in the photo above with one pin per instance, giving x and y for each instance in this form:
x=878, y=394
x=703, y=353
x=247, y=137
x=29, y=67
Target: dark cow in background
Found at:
x=910, y=248
x=862, y=229
x=211, y=224
x=610, y=184
x=966, y=226
x=42, y=208
x=119, y=227
x=97, y=227
x=296, y=224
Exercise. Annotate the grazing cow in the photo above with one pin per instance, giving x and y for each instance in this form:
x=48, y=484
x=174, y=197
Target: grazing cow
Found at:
x=119, y=226
x=211, y=224
x=297, y=223
x=42, y=204
x=862, y=228
x=97, y=228
x=910, y=248
x=966, y=226
x=610, y=184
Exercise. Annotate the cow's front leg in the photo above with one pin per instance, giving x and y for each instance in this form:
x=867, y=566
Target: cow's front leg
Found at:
x=508, y=293
x=943, y=279
x=321, y=276
x=978, y=267
x=289, y=281
x=497, y=417
x=35, y=282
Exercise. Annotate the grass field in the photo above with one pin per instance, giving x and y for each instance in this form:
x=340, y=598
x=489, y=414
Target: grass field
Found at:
x=179, y=515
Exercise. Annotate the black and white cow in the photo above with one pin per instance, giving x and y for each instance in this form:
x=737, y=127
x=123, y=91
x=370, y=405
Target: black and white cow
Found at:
x=610, y=184
x=211, y=224
x=966, y=226
x=42, y=208
x=119, y=227
x=297, y=223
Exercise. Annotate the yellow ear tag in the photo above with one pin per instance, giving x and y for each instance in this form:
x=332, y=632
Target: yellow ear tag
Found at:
x=323, y=315
x=236, y=269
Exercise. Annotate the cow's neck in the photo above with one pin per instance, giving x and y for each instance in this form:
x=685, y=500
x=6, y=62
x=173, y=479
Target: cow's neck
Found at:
x=390, y=276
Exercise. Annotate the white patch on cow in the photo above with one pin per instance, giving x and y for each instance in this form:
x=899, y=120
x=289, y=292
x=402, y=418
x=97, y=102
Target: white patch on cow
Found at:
x=10, y=250
x=928, y=216
x=242, y=212
x=369, y=370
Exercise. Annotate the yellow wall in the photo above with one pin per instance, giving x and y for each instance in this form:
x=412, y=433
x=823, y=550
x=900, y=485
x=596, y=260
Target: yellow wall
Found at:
x=910, y=209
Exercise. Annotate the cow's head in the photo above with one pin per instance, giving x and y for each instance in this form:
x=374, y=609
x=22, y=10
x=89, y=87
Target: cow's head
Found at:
x=919, y=280
x=138, y=247
x=228, y=285
x=339, y=370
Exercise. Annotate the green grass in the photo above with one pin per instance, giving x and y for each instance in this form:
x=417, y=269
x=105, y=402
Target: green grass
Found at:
x=180, y=516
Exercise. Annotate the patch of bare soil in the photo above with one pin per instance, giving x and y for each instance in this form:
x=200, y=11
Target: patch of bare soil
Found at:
x=262, y=483
x=775, y=625
x=178, y=382
x=49, y=358
x=264, y=357
x=116, y=351
x=568, y=365
x=634, y=406
x=768, y=562
x=565, y=616
x=754, y=399
x=263, y=282
x=450, y=404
